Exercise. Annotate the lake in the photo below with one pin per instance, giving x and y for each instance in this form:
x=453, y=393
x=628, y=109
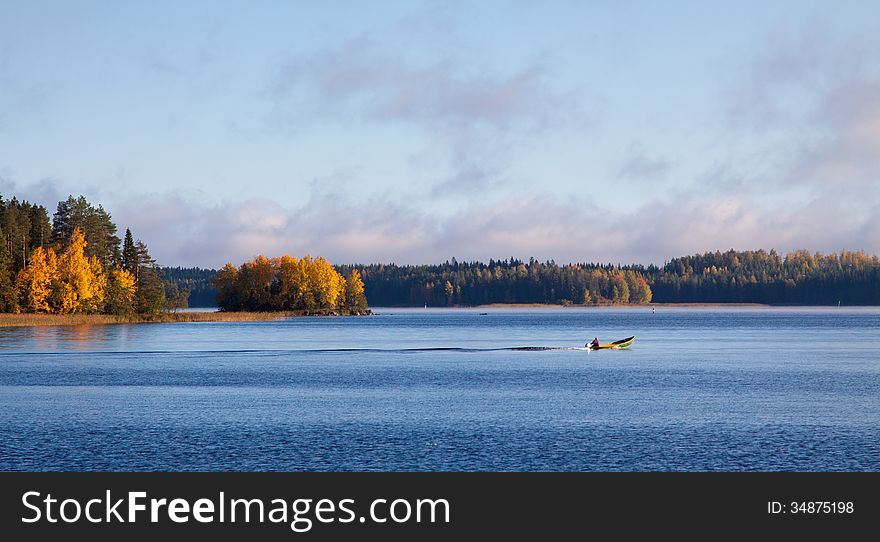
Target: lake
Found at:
x=454, y=390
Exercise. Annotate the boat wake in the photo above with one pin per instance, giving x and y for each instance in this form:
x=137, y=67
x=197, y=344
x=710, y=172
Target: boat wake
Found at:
x=451, y=349
x=308, y=350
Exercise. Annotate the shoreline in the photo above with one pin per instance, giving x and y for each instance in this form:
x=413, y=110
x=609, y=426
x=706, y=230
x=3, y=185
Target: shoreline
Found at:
x=618, y=306
x=549, y=306
x=40, y=320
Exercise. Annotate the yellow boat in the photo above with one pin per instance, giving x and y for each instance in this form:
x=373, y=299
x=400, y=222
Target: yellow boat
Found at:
x=622, y=343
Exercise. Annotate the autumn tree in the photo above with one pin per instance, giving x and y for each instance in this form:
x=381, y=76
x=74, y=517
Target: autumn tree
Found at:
x=35, y=281
x=328, y=286
x=294, y=284
x=620, y=290
x=226, y=284
x=354, y=291
x=254, y=284
x=81, y=280
x=639, y=291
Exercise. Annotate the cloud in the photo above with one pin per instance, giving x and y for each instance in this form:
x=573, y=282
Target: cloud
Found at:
x=477, y=117
x=46, y=192
x=794, y=65
x=849, y=154
x=378, y=229
x=359, y=80
x=180, y=233
x=818, y=96
x=541, y=226
x=639, y=166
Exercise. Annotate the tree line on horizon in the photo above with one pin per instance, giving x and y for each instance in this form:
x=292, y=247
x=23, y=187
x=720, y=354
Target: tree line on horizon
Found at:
x=76, y=264
x=503, y=281
x=798, y=278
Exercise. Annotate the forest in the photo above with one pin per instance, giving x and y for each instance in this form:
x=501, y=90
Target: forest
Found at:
x=502, y=281
x=77, y=264
x=797, y=278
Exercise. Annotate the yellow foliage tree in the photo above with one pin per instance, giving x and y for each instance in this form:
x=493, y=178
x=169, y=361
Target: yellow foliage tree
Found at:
x=35, y=280
x=328, y=285
x=95, y=303
x=284, y=283
x=306, y=287
x=290, y=282
x=257, y=277
x=82, y=282
x=354, y=291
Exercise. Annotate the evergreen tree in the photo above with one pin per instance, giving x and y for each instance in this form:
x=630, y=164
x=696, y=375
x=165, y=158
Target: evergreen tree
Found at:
x=150, y=297
x=96, y=225
x=129, y=254
x=8, y=291
x=41, y=230
x=121, y=292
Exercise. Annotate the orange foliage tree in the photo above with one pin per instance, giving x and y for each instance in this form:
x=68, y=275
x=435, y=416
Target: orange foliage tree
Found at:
x=36, y=280
x=285, y=283
x=81, y=279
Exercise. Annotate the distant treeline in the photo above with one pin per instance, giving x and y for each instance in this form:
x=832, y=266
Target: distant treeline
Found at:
x=502, y=281
x=196, y=281
x=76, y=264
x=798, y=278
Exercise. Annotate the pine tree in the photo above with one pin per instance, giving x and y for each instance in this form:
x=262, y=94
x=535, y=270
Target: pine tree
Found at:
x=129, y=254
x=150, y=298
x=8, y=292
x=96, y=225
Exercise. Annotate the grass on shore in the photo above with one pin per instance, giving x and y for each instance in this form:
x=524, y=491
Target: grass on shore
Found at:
x=30, y=320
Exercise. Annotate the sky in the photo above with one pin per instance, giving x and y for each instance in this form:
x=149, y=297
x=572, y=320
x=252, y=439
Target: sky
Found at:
x=418, y=131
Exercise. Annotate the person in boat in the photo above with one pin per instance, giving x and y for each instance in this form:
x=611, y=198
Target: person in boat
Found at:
x=595, y=343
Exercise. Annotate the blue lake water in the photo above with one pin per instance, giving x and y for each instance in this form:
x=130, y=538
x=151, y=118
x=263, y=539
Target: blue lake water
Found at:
x=701, y=389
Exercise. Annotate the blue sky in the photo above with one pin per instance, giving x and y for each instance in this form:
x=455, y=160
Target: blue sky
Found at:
x=418, y=131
